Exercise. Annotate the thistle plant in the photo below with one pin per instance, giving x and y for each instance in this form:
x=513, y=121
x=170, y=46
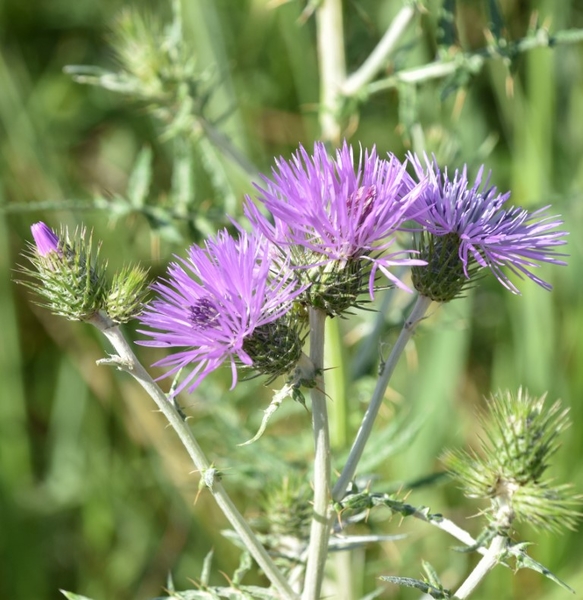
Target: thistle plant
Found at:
x=325, y=232
x=236, y=299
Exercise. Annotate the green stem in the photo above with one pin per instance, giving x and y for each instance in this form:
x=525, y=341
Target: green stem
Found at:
x=322, y=515
x=473, y=62
x=378, y=57
x=332, y=63
x=419, y=309
x=486, y=564
x=127, y=361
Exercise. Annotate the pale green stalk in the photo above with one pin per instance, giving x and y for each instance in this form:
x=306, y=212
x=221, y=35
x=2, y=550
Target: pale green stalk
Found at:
x=378, y=57
x=332, y=63
x=322, y=515
x=127, y=361
x=473, y=62
x=417, y=313
x=496, y=551
x=487, y=563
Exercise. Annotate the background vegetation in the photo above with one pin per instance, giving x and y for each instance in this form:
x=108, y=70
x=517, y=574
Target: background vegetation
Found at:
x=95, y=494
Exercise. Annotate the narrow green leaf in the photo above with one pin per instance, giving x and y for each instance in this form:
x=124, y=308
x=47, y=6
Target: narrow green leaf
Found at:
x=140, y=178
x=73, y=596
x=423, y=586
x=206, y=568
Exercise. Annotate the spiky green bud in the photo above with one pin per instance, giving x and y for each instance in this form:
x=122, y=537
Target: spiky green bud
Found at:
x=127, y=293
x=520, y=436
x=71, y=279
x=443, y=278
x=288, y=509
x=65, y=277
x=275, y=347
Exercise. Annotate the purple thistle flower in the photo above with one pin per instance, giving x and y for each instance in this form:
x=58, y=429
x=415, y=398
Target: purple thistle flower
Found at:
x=470, y=220
x=219, y=304
x=337, y=212
x=45, y=238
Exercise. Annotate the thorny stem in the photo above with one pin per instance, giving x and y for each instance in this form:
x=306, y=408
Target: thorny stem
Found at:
x=332, y=62
x=474, y=61
x=449, y=527
x=495, y=554
x=375, y=62
x=127, y=361
x=322, y=515
x=419, y=309
x=486, y=564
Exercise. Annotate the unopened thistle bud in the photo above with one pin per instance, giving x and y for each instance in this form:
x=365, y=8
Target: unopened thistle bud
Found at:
x=521, y=434
x=288, y=510
x=71, y=286
x=126, y=295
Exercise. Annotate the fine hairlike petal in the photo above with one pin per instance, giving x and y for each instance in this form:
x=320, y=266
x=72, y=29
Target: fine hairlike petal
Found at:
x=488, y=233
x=337, y=210
x=45, y=238
x=213, y=301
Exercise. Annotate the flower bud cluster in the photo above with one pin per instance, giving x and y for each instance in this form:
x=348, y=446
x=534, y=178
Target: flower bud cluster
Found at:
x=71, y=279
x=332, y=233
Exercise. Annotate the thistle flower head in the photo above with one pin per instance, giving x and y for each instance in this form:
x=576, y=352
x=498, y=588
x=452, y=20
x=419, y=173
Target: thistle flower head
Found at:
x=466, y=228
x=521, y=434
x=338, y=219
x=227, y=302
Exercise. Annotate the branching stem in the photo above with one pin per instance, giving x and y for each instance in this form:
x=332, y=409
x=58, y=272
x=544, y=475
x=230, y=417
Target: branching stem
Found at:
x=486, y=564
x=378, y=57
x=128, y=362
x=419, y=309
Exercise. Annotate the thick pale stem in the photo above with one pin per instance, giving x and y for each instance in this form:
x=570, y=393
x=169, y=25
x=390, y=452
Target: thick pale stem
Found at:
x=420, y=308
x=332, y=62
x=127, y=361
x=322, y=515
x=486, y=564
x=378, y=57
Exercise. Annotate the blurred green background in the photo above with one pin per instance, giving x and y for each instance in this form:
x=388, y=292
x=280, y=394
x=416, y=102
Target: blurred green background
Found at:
x=96, y=496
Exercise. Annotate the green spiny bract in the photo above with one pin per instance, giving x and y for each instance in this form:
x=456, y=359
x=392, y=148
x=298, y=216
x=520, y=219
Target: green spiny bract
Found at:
x=275, y=347
x=443, y=278
x=333, y=287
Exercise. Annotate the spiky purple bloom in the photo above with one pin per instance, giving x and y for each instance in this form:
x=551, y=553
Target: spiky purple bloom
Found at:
x=338, y=211
x=224, y=303
x=475, y=223
x=45, y=238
